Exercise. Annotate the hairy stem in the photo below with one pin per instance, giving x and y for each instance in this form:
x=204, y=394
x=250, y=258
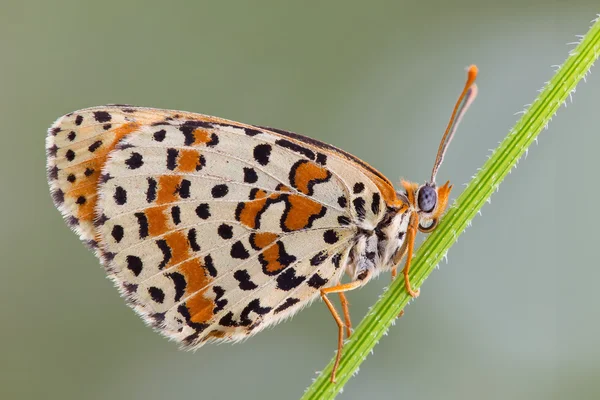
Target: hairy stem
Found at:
x=478, y=191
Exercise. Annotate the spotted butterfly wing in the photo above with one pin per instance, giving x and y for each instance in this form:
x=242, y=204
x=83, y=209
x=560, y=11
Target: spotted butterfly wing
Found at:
x=211, y=229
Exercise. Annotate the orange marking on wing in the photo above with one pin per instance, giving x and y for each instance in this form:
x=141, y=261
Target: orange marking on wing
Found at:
x=271, y=257
x=197, y=284
x=263, y=239
x=307, y=173
x=302, y=210
x=200, y=308
x=167, y=188
x=88, y=194
x=260, y=194
x=180, y=249
x=196, y=277
x=201, y=136
x=157, y=220
x=250, y=210
x=188, y=160
x=125, y=129
x=87, y=186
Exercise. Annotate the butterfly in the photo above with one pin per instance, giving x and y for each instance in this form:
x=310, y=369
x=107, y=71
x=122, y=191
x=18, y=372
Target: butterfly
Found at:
x=213, y=230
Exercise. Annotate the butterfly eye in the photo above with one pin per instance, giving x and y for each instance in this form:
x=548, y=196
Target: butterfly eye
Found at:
x=427, y=198
x=429, y=228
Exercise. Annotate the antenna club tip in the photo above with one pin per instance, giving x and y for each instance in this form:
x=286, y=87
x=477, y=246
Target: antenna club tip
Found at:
x=472, y=71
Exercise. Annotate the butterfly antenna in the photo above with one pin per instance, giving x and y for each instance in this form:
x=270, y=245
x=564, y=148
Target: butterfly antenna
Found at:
x=462, y=104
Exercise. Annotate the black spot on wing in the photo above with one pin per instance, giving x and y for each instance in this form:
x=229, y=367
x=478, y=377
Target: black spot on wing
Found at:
x=156, y=294
x=243, y=277
x=151, y=192
x=253, y=306
x=70, y=155
x=120, y=195
x=375, y=203
x=318, y=258
x=296, y=148
x=172, y=158
x=117, y=233
x=227, y=320
x=179, y=283
x=194, y=123
x=166, y=250
x=183, y=189
x=159, y=136
x=358, y=187
x=336, y=260
x=210, y=266
x=262, y=152
x=219, y=191
x=134, y=161
x=321, y=159
x=143, y=224
x=239, y=251
x=290, y=301
x=330, y=236
x=203, y=211
x=102, y=116
x=134, y=264
x=225, y=231
x=188, y=133
x=220, y=302
x=316, y=281
x=250, y=175
x=176, y=215
x=251, y=132
x=288, y=280
x=192, y=240
x=359, y=207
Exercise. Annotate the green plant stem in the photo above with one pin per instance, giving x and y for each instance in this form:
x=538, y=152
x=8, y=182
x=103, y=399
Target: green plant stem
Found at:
x=478, y=191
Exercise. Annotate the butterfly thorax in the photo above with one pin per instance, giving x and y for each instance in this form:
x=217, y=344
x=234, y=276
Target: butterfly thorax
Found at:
x=378, y=250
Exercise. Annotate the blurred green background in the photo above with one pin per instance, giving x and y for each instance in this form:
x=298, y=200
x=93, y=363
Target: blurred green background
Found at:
x=514, y=314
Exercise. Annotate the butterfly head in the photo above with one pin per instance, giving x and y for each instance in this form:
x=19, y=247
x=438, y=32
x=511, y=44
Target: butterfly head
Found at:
x=429, y=201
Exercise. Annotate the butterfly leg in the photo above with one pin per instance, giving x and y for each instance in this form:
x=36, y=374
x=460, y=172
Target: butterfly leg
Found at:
x=411, y=235
x=407, y=249
x=340, y=289
x=347, y=321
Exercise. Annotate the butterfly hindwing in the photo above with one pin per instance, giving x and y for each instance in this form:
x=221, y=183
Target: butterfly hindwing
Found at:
x=212, y=229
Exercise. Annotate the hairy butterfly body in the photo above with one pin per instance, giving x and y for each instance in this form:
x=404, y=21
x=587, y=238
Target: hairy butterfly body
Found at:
x=213, y=229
